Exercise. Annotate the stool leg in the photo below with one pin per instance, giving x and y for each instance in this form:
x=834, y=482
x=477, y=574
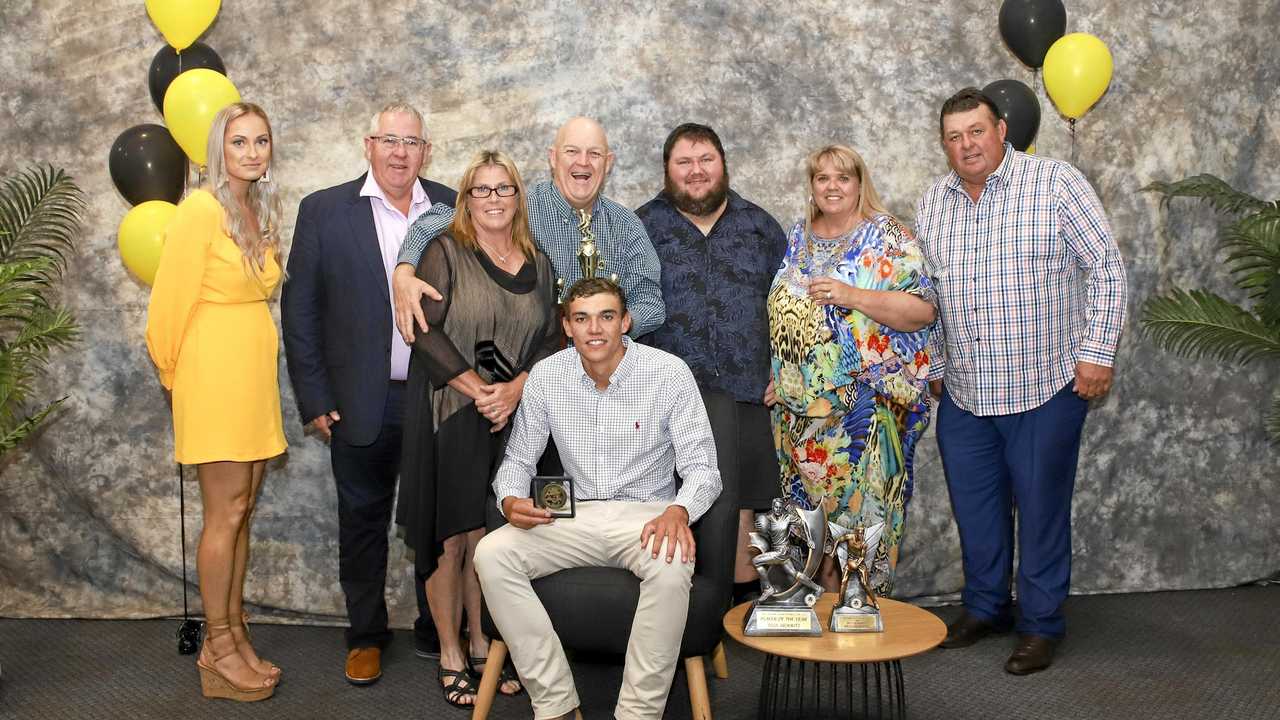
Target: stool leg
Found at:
x=719, y=663
x=699, y=697
x=489, y=682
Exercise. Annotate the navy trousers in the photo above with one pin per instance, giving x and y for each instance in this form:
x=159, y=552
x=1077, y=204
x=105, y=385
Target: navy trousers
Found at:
x=366, y=480
x=993, y=465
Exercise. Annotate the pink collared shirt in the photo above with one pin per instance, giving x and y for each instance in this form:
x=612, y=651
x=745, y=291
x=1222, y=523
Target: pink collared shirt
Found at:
x=392, y=226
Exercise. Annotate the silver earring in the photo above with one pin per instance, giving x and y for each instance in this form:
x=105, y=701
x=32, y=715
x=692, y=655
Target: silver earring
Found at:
x=266, y=175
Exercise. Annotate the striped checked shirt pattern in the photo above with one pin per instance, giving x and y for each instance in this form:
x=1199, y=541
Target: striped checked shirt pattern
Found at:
x=1029, y=282
x=621, y=443
x=621, y=240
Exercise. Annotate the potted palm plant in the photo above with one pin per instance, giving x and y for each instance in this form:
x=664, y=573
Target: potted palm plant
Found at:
x=40, y=210
x=1199, y=323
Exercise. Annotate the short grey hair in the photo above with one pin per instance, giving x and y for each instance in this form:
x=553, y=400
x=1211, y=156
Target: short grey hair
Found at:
x=398, y=107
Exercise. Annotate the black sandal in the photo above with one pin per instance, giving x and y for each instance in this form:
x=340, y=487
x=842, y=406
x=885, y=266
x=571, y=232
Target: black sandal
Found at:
x=476, y=665
x=459, y=686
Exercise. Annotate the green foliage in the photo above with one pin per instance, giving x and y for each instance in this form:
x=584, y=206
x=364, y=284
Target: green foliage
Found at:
x=40, y=212
x=1200, y=324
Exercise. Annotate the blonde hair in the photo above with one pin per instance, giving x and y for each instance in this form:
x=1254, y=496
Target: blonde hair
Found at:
x=462, y=229
x=254, y=242
x=845, y=159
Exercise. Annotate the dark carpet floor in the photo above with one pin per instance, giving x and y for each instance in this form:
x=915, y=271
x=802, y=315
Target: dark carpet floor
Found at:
x=1203, y=654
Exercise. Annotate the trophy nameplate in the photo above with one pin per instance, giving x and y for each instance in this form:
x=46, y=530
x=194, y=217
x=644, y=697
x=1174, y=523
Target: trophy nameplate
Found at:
x=554, y=493
x=844, y=619
x=769, y=621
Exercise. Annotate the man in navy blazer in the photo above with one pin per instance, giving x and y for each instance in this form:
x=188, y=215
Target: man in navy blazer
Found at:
x=348, y=364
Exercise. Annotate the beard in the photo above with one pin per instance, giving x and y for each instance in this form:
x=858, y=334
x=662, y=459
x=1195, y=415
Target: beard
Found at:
x=686, y=203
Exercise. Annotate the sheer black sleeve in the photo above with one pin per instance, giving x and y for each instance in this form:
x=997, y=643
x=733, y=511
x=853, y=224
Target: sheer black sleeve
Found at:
x=443, y=361
x=553, y=335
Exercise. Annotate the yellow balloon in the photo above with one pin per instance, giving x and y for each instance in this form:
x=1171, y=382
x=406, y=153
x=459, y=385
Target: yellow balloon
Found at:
x=141, y=237
x=190, y=103
x=1077, y=70
x=182, y=21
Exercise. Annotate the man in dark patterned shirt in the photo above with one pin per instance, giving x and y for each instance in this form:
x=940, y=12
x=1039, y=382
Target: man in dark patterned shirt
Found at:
x=719, y=254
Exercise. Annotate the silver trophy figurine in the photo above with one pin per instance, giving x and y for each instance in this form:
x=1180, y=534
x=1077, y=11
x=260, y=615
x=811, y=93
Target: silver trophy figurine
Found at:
x=854, y=550
x=789, y=544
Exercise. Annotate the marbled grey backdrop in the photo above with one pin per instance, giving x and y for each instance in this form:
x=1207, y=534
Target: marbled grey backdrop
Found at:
x=1176, y=484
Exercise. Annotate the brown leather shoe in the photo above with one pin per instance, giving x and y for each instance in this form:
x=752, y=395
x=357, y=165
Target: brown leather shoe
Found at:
x=1033, y=654
x=968, y=630
x=364, y=665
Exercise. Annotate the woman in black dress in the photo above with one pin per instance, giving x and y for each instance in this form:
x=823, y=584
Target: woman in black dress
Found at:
x=496, y=319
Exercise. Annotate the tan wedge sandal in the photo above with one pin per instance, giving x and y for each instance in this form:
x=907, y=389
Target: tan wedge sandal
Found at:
x=267, y=667
x=216, y=685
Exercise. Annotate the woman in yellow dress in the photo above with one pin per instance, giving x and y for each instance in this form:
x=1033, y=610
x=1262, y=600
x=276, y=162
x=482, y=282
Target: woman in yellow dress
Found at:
x=212, y=338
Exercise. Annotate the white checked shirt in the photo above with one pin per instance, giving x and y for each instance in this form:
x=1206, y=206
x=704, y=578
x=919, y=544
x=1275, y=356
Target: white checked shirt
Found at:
x=620, y=443
x=1029, y=282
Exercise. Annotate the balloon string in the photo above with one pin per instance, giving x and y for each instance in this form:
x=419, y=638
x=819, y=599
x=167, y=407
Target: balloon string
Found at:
x=1072, y=121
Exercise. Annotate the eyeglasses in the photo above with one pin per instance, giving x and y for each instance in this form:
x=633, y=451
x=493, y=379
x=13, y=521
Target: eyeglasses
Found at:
x=391, y=142
x=481, y=192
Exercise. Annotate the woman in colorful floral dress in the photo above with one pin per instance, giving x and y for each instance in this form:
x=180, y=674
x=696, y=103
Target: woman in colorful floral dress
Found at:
x=849, y=313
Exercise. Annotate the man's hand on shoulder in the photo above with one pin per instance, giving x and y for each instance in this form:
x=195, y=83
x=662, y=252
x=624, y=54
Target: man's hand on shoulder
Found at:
x=406, y=293
x=1092, y=381
x=673, y=526
x=522, y=513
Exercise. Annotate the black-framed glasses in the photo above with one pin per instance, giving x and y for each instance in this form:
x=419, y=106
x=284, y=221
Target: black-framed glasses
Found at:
x=481, y=192
x=391, y=142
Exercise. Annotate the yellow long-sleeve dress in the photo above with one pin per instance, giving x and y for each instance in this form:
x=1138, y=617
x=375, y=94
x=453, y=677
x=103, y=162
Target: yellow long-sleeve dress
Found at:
x=211, y=335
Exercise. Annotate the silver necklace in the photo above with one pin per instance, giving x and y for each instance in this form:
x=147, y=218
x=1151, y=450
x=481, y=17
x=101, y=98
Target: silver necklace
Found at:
x=501, y=258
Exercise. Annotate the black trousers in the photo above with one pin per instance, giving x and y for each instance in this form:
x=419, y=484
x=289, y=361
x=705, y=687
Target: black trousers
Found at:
x=366, y=480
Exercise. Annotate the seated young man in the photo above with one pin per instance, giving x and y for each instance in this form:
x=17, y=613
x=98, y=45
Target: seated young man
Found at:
x=624, y=416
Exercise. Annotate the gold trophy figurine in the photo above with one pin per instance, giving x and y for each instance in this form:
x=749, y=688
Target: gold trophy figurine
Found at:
x=588, y=256
x=854, y=549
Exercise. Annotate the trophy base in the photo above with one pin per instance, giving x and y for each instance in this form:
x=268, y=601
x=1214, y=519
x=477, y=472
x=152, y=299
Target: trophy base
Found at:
x=765, y=621
x=850, y=620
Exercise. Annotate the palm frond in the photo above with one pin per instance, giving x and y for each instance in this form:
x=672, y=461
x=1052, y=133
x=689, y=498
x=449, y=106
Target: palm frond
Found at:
x=16, y=434
x=40, y=210
x=47, y=328
x=1199, y=324
x=1253, y=251
x=22, y=287
x=1211, y=189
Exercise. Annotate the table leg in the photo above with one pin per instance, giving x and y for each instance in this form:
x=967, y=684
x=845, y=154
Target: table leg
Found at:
x=884, y=693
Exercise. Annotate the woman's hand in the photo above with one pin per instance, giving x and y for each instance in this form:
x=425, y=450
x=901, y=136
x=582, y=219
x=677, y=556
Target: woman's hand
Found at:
x=496, y=402
x=770, y=397
x=829, y=291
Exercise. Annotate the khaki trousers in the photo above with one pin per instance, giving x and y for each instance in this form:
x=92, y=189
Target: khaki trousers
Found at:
x=604, y=533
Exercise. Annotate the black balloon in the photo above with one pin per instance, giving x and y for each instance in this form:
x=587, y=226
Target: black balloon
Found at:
x=1019, y=109
x=168, y=64
x=1029, y=27
x=147, y=164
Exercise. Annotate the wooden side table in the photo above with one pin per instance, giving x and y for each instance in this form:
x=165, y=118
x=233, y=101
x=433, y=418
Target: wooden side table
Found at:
x=792, y=684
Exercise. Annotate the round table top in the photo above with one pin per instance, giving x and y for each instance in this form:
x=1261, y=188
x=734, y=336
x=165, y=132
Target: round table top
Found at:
x=908, y=631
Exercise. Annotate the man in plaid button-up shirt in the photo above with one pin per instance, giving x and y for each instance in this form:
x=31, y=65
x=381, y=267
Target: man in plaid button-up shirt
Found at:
x=1031, y=292
x=580, y=162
